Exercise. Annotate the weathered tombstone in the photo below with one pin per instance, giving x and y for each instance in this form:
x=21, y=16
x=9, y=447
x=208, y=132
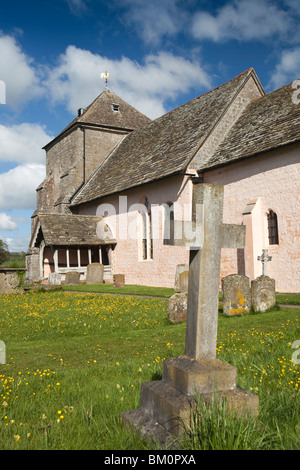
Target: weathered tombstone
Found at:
x=166, y=403
x=94, y=273
x=2, y=353
x=236, y=295
x=184, y=281
x=72, y=277
x=263, y=295
x=54, y=279
x=9, y=282
x=180, y=268
x=177, y=308
x=119, y=280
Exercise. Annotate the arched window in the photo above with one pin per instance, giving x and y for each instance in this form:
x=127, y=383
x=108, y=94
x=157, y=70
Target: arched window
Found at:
x=169, y=219
x=273, y=228
x=147, y=241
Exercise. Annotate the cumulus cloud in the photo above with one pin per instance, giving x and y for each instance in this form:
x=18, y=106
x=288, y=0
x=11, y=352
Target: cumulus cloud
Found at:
x=76, y=79
x=288, y=68
x=154, y=20
x=18, y=72
x=17, y=244
x=7, y=223
x=17, y=186
x=242, y=20
x=23, y=143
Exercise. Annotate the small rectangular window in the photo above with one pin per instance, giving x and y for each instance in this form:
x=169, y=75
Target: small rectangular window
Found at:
x=115, y=107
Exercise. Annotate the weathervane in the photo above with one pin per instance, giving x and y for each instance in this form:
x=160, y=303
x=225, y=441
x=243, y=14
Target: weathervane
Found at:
x=105, y=75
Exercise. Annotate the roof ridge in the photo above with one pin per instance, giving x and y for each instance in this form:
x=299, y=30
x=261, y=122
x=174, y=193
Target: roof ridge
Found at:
x=203, y=94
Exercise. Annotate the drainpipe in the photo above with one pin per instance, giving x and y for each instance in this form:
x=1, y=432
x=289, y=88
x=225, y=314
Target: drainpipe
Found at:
x=83, y=169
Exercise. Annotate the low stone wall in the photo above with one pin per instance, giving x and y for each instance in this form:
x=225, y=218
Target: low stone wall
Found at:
x=10, y=279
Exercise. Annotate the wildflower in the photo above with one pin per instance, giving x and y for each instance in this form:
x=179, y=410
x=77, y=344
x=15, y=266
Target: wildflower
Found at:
x=17, y=437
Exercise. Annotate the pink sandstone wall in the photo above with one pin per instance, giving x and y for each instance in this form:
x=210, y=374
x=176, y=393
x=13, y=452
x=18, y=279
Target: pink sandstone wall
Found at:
x=251, y=188
x=159, y=271
x=269, y=181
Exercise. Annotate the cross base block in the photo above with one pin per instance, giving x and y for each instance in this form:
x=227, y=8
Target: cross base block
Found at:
x=191, y=376
x=165, y=410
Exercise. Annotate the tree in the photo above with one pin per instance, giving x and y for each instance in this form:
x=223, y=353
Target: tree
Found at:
x=4, y=253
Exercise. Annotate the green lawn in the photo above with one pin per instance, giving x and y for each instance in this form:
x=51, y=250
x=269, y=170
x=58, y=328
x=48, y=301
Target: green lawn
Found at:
x=76, y=361
x=127, y=289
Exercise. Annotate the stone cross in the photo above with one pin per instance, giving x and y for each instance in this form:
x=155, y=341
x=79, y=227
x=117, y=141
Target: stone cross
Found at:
x=264, y=258
x=205, y=235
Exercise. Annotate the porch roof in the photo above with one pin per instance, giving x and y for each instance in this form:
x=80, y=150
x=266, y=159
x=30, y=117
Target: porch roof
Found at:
x=74, y=230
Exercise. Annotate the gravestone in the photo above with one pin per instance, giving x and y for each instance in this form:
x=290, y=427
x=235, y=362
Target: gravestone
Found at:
x=166, y=403
x=72, y=278
x=184, y=281
x=2, y=352
x=236, y=295
x=264, y=258
x=54, y=279
x=180, y=268
x=9, y=282
x=119, y=280
x=177, y=308
x=263, y=295
x=94, y=273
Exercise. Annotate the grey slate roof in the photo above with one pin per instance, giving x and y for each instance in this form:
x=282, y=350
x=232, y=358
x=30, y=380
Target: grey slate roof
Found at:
x=101, y=113
x=269, y=122
x=163, y=147
x=65, y=229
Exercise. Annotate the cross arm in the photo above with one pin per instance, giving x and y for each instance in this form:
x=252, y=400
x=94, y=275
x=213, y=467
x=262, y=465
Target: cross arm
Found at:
x=233, y=236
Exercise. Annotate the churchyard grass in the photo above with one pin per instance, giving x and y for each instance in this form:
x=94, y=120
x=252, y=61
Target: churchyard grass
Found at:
x=127, y=289
x=76, y=361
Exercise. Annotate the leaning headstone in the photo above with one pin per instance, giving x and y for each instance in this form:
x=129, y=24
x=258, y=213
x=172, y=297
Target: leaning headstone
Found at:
x=184, y=281
x=236, y=295
x=94, y=273
x=168, y=403
x=263, y=295
x=54, y=279
x=72, y=277
x=180, y=268
x=119, y=280
x=177, y=308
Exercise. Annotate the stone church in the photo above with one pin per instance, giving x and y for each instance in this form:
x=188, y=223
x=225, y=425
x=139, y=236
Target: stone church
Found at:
x=114, y=178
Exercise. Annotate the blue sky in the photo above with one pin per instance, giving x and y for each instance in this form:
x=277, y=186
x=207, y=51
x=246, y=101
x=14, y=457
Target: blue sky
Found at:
x=159, y=53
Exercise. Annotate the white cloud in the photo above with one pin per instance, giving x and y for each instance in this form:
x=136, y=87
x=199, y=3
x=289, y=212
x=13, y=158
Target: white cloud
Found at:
x=243, y=20
x=76, y=79
x=23, y=143
x=77, y=6
x=17, y=244
x=17, y=186
x=288, y=68
x=18, y=72
x=7, y=223
x=154, y=20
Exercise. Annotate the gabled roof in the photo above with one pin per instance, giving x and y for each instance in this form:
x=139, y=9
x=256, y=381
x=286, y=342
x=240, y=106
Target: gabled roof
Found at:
x=101, y=112
x=267, y=123
x=70, y=229
x=163, y=147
